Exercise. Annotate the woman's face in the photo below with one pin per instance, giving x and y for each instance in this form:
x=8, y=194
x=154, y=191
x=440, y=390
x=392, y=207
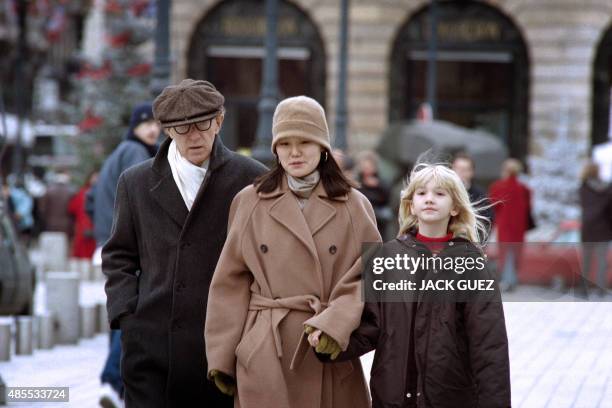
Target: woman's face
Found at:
x=298, y=157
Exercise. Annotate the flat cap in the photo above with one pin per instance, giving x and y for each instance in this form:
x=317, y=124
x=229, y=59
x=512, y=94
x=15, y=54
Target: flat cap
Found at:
x=188, y=102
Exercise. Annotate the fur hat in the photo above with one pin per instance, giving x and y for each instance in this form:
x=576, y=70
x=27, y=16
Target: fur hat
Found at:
x=300, y=116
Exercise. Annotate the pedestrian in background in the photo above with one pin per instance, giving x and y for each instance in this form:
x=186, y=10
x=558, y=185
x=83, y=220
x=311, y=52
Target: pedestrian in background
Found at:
x=291, y=267
x=169, y=226
x=375, y=190
x=140, y=144
x=596, y=230
x=54, y=204
x=512, y=210
x=84, y=244
x=464, y=166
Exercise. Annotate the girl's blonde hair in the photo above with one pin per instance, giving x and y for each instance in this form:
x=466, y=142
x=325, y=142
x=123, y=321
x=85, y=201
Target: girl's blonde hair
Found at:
x=468, y=223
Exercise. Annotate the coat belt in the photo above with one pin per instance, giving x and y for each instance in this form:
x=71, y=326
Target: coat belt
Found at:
x=277, y=309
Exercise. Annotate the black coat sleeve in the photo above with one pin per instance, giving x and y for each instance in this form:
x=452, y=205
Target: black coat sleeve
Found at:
x=364, y=339
x=121, y=260
x=488, y=348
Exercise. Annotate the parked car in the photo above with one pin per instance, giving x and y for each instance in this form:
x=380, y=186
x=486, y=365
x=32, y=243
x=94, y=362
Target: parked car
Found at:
x=17, y=274
x=552, y=256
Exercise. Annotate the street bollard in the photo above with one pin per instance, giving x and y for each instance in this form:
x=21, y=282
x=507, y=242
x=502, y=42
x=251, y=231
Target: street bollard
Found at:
x=45, y=331
x=35, y=332
x=23, y=340
x=88, y=321
x=103, y=326
x=97, y=274
x=63, y=302
x=73, y=265
x=54, y=250
x=5, y=339
x=85, y=269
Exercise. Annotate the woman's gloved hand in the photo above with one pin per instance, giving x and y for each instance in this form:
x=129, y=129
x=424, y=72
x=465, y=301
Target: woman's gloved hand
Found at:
x=225, y=383
x=322, y=342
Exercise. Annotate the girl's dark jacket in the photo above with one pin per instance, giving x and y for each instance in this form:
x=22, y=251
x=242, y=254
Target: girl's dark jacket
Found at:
x=461, y=348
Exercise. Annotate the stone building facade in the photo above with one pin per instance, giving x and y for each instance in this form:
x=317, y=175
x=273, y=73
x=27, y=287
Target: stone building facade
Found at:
x=539, y=59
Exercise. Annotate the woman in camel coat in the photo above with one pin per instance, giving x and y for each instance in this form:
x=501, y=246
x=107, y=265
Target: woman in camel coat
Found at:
x=291, y=261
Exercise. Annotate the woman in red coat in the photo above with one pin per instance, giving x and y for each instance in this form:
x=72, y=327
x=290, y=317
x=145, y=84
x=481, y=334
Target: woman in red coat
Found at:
x=511, y=206
x=83, y=245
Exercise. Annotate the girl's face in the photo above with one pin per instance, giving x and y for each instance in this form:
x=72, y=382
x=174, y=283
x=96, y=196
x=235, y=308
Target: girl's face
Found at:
x=432, y=205
x=298, y=157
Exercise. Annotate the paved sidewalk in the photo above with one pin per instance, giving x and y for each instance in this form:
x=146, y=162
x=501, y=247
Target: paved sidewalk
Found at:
x=560, y=356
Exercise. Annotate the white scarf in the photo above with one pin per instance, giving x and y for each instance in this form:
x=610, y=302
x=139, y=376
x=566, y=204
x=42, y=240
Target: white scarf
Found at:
x=187, y=176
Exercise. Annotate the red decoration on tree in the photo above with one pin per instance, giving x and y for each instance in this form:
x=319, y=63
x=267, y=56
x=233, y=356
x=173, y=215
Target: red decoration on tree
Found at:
x=113, y=7
x=89, y=71
x=90, y=122
x=139, y=70
x=138, y=6
x=119, y=40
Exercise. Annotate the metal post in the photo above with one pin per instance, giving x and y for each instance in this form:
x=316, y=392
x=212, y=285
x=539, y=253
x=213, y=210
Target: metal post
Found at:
x=341, y=111
x=269, y=87
x=20, y=84
x=161, y=63
x=432, y=57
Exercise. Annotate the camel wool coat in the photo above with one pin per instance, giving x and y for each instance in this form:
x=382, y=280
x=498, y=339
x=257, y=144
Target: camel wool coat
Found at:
x=279, y=270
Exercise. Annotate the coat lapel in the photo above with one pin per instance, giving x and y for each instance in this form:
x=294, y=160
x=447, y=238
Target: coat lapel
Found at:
x=318, y=212
x=286, y=211
x=163, y=188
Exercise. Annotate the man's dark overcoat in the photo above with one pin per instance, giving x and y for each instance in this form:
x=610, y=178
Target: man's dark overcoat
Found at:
x=159, y=263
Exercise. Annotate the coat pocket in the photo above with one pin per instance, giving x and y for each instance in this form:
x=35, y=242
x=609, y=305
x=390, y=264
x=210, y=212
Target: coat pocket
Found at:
x=252, y=340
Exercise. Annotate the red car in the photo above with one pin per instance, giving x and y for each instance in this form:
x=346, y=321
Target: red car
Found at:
x=552, y=256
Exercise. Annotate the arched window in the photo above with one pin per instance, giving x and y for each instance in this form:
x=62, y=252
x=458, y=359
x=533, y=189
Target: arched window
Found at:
x=602, y=87
x=482, y=70
x=227, y=48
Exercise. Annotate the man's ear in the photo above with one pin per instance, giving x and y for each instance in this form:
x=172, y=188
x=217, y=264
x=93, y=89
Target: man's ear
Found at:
x=219, y=119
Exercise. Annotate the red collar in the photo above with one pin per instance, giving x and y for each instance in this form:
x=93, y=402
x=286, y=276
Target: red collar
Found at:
x=424, y=239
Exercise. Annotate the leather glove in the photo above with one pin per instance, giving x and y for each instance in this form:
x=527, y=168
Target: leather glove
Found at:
x=225, y=383
x=326, y=345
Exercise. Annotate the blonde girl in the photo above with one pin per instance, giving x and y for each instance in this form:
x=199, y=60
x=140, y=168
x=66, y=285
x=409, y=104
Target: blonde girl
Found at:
x=438, y=353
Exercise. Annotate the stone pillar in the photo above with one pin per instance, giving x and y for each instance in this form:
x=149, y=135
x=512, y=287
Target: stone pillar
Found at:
x=63, y=302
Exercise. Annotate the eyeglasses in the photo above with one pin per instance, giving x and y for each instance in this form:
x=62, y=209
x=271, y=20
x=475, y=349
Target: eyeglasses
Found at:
x=201, y=126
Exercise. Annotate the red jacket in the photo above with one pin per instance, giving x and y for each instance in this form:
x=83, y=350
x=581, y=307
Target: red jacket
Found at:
x=511, y=200
x=83, y=245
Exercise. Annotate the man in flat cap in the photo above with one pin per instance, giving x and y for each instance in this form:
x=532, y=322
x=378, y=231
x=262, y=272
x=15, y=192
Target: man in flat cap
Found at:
x=169, y=227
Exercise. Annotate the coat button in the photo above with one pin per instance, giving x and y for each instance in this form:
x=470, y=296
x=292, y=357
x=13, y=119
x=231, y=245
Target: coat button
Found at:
x=408, y=395
x=185, y=245
x=332, y=249
x=451, y=243
x=180, y=286
x=264, y=248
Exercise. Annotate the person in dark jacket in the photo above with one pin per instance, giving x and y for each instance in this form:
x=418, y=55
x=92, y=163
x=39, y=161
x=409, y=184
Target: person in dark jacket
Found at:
x=54, y=204
x=596, y=232
x=434, y=352
x=140, y=144
x=169, y=226
x=464, y=166
x=375, y=190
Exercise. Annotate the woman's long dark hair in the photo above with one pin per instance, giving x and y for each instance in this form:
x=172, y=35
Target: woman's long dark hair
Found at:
x=334, y=181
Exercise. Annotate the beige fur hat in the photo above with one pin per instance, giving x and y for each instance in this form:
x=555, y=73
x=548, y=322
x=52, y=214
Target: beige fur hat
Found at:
x=300, y=116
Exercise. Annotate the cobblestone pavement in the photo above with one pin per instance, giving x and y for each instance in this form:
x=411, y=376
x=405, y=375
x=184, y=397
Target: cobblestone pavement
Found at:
x=560, y=356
